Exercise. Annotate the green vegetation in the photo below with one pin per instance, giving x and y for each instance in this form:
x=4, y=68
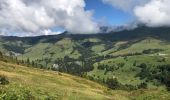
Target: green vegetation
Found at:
x=3, y=80
x=26, y=83
x=136, y=60
x=31, y=83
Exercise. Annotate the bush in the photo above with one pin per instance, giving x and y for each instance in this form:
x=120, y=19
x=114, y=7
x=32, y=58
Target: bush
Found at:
x=151, y=51
x=3, y=80
x=1, y=55
x=112, y=83
x=121, y=65
x=142, y=86
x=143, y=65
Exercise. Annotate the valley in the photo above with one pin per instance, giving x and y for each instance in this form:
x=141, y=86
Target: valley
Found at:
x=131, y=60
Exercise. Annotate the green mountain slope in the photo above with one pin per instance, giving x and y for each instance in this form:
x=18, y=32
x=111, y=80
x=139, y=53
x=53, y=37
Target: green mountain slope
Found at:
x=41, y=84
x=135, y=63
x=34, y=84
x=152, y=52
x=119, y=55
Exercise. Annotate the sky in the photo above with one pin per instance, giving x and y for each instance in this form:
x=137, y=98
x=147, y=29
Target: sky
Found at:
x=106, y=14
x=46, y=17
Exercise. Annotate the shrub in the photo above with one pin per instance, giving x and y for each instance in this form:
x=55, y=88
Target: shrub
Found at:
x=1, y=55
x=142, y=86
x=121, y=65
x=112, y=83
x=143, y=65
x=3, y=80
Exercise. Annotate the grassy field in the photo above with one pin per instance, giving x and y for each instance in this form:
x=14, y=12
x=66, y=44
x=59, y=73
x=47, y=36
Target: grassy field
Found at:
x=148, y=43
x=127, y=73
x=42, y=84
x=51, y=50
x=30, y=83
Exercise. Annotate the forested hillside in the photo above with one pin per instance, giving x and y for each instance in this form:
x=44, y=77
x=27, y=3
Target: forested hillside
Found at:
x=27, y=83
x=127, y=60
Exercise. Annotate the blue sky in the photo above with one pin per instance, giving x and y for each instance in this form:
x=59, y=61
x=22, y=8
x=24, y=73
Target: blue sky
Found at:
x=112, y=16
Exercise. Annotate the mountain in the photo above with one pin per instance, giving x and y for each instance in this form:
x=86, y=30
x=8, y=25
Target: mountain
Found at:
x=108, y=29
x=133, y=57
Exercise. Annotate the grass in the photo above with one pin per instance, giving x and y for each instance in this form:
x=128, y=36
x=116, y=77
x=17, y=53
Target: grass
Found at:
x=149, y=43
x=98, y=48
x=35, y=84
x=127, y=74
x=44, y=50
x=44, y=84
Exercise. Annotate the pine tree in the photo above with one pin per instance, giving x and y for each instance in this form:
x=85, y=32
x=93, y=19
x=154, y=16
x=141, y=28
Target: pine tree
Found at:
x=33, y=63
x=28, y=62
x=1, y=55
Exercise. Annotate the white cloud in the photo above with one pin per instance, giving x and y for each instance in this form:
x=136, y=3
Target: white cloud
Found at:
x=154, y=13
x=33, y=16
x=125, y=5
x=49, y=32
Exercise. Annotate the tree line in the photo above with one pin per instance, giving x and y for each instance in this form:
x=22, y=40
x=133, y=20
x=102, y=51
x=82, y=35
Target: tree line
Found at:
x=161, y=73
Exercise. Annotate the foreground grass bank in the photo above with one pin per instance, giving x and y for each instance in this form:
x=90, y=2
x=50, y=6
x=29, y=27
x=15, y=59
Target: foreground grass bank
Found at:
x=32, y=84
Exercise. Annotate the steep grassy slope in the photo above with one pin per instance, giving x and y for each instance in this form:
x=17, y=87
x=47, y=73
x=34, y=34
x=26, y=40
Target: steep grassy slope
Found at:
x=30, y=83
x=41, y=84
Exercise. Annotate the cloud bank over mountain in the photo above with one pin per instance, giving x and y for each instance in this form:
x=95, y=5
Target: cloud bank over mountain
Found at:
x=37, y=16
x=153, y=13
